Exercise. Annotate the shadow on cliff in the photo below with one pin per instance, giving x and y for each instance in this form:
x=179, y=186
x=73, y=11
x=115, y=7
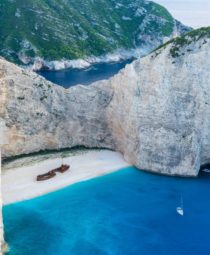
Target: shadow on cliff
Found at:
x=62, y=152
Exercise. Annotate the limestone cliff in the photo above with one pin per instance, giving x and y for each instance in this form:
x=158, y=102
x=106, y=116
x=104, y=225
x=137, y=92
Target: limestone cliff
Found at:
x=155, y=111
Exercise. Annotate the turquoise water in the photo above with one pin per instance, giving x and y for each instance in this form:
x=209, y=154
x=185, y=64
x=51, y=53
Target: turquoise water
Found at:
x=129, y=212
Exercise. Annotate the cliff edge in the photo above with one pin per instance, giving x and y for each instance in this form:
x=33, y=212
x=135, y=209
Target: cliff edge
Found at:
x=155, y=111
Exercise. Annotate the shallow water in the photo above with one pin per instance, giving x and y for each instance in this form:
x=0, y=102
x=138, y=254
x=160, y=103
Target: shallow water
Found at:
x=129, y=212
x=71, y=77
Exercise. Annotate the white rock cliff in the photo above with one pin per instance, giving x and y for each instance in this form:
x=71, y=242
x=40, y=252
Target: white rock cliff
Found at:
x=155, y=111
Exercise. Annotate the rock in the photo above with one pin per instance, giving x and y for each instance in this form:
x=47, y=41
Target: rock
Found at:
x=40, y=64
x=2, y=142
x=155, y=111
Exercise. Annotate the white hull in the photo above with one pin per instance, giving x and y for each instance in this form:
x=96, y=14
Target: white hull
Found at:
x=180, y=211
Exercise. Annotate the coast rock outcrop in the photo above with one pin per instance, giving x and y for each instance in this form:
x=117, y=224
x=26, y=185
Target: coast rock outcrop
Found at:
x=155, y=111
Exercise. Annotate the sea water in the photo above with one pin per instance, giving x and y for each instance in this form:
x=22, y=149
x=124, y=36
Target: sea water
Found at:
x=129, y=212
x=71, y=77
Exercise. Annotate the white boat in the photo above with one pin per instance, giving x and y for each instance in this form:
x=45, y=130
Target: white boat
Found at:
x=180, y=209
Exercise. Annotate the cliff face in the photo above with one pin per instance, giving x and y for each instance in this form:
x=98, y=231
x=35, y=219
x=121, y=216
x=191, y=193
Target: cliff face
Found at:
x=155, y=111
x=40, y=115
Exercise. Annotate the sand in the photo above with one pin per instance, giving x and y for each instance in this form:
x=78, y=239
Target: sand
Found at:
x=20, y=183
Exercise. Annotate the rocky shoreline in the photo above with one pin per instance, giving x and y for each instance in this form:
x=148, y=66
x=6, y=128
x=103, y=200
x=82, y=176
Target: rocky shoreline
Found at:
x=56, y=65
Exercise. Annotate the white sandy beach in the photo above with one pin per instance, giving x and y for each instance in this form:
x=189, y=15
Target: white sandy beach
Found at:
x=20, y=183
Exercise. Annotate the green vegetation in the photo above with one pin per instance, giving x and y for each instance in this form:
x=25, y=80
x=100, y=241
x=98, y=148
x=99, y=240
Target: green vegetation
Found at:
x=20, y=98
x=185, y=40
x=161, y=12
x=56, y=29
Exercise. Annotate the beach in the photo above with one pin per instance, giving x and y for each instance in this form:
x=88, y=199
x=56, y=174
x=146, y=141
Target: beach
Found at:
x=19, y=181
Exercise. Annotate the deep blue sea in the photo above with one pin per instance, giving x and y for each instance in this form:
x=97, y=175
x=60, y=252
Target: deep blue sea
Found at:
x=129, y=212
x=71, y=77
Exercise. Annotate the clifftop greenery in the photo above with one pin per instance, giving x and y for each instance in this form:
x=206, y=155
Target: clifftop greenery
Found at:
x=56, y=29
x=186, y=40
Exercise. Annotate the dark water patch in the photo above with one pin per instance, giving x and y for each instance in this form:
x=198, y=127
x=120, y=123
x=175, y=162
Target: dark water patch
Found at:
x=205, y=166
x=71, y=77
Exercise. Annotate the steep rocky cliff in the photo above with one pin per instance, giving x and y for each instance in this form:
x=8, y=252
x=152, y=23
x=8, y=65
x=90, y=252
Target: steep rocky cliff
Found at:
x=60, y=29
x=155, y=111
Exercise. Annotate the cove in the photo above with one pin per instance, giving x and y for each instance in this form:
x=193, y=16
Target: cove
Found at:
x=129, y=212
x=71, y=77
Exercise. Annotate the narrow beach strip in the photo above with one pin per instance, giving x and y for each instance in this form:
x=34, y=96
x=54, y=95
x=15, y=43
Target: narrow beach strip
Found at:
x=20, y=183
